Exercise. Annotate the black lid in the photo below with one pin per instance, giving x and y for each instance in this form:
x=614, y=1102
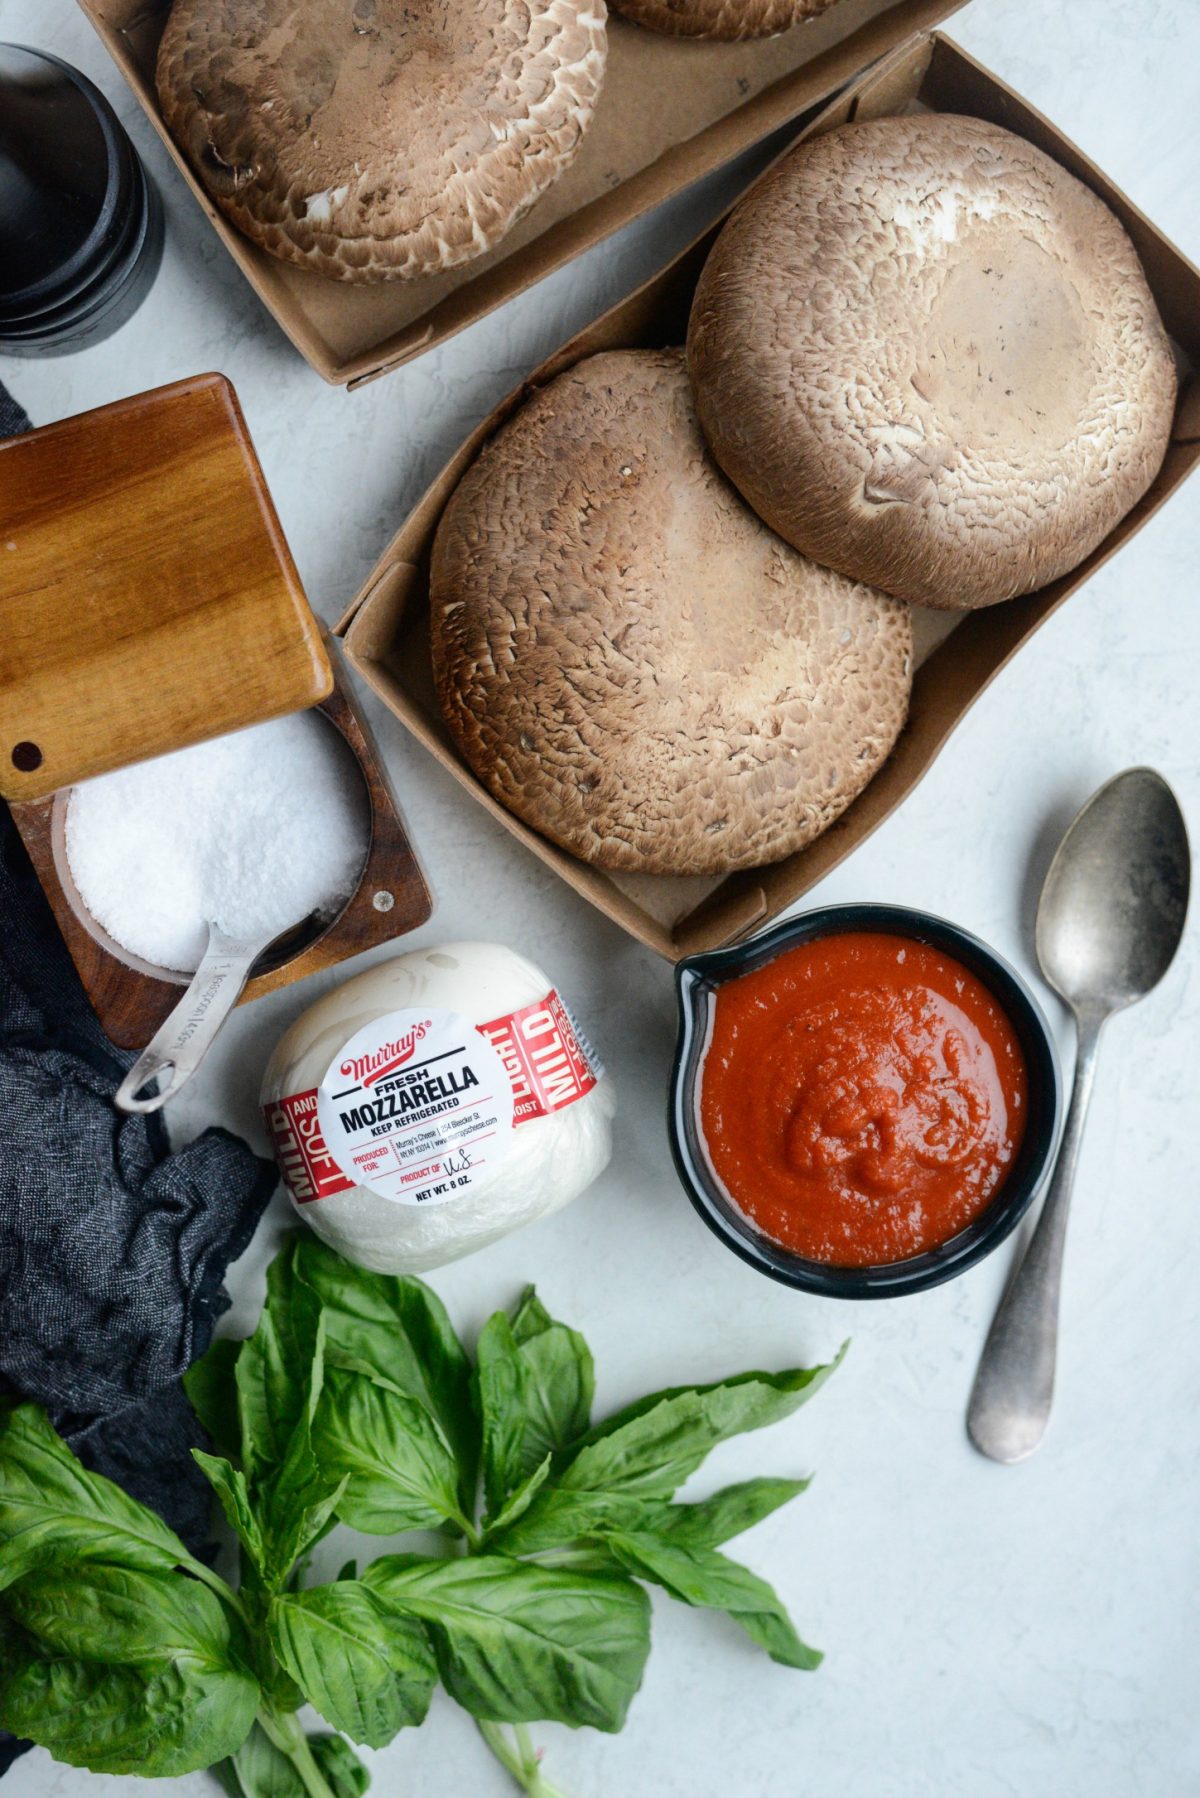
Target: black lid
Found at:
x=66, y=180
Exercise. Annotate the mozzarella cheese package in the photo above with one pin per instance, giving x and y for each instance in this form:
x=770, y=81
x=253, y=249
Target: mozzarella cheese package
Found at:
x=434, y=1103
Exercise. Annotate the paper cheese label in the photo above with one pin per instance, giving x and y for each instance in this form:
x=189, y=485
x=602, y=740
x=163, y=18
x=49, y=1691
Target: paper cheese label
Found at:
x=420, y=1105
x=548, y=1062
x=300, y=1150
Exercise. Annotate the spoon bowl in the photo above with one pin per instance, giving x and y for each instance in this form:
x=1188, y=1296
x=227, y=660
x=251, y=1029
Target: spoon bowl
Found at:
x=1112, y=908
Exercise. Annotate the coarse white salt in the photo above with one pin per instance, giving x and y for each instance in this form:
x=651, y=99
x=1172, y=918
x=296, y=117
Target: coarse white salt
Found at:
x=255, y=831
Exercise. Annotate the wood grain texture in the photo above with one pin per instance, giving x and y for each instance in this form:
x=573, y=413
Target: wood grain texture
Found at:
x=132, y=999
x=148, y=599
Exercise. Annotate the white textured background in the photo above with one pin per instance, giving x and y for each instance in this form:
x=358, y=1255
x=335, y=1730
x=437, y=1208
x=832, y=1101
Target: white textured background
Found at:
x=988, y=1631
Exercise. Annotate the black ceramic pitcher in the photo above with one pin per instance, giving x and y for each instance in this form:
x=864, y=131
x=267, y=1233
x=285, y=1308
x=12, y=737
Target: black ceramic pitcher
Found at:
x=80, y=223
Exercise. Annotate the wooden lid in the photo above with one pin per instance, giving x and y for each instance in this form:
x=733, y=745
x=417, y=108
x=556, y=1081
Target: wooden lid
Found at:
x=148, y=599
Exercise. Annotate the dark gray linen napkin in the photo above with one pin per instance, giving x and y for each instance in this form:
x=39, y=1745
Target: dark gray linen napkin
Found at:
x=112, y=1247
x=13, y=418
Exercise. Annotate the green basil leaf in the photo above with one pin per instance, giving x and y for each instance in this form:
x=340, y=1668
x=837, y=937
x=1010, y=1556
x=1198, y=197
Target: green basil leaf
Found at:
x=401, y=1474
x=555, y=1519
x=340, y=1767
x=281, y=1693
x=368, y=1673
x=211, y=1385
x=174, y=1720
x=159, y=1716
x=701, y=1576
x=96, y=1612
x=229, y=1484
x=260, y=1770
x=53, y=1509
x=533, y=1384
x=651, y=1447
x=279, y=1375
x=530, y=1317
x=517, y=1643
x=298, y=1507
x=225, y=1774
x=285, y=1506
x=726, y=1514
x=278, y=1369
x=518, y=1502
x=560, y=1380
x=500, y=1390
x=399, y=1329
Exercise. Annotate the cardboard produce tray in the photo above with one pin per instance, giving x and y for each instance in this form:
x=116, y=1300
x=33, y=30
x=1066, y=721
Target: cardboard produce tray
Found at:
x=671, y=111
x=386, y=629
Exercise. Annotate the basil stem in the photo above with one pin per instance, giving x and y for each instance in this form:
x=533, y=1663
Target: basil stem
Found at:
x=518, y=1756
x=290, y=1739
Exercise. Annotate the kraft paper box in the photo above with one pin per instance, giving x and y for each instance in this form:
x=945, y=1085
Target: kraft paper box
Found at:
x=670, y=111
x=386, y=631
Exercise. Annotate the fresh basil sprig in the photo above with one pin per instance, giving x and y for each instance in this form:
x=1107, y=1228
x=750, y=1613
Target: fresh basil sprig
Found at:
x=355, y=1401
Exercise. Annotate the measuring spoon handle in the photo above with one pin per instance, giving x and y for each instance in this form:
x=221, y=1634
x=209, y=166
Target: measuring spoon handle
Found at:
x=1014, y=1387
x=181, y=1043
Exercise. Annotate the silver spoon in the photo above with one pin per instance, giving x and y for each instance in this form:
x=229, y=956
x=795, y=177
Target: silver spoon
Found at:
x=180, y=1044
x=1109, y=922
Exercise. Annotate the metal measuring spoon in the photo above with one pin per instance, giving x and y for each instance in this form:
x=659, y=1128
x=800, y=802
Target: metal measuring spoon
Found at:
x=1109, y=922
x=180, y=1044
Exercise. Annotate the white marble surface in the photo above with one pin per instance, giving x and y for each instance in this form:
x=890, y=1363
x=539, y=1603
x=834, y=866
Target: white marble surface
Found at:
x=989, y=1631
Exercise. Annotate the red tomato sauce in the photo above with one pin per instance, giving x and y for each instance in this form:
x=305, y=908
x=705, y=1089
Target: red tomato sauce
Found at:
x=862, y=1097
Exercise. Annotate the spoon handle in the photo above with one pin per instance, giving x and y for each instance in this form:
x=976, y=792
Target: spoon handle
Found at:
x=180, y=1044
x=1014, y=1387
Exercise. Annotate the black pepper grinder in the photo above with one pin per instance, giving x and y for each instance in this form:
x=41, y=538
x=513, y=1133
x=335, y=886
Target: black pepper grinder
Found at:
x=80, y=223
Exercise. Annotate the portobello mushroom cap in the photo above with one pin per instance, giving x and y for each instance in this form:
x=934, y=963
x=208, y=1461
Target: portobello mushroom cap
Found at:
x=629, y=659
x=727, y=19
x=928, y=357
x=377, y=139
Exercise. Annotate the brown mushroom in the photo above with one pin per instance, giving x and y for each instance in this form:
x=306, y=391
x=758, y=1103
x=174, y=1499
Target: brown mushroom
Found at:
x=928, y=357
x=727, y=19
x=371, y=139
x=629, y=659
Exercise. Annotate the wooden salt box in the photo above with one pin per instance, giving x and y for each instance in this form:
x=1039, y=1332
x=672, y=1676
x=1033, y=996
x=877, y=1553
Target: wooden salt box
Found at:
x=148, y=601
